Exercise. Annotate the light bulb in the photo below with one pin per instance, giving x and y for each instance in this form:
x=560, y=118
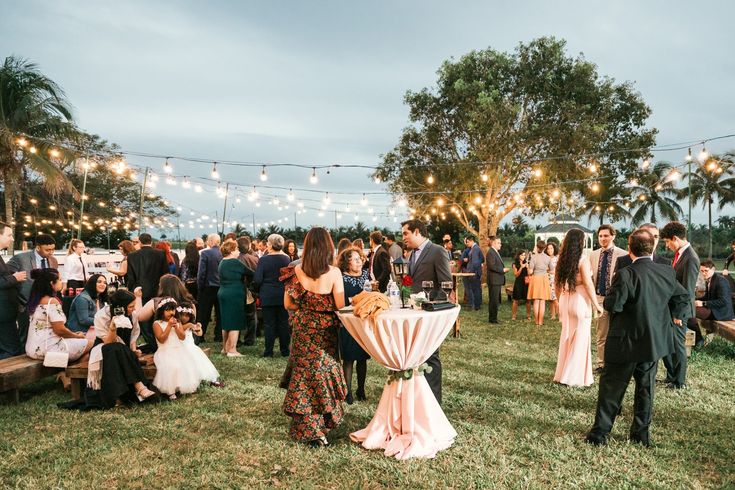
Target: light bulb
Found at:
x=688, y=158
x=326, y=198
x=197, y=188
x=290, y=195
x=363, y=201
x=22, y=142
x=430, y=179
x=263, y=175
x=703, y=154
x=377, y=180
x=167, y=167
x=186, y=184
x=313, y=179
x=215, y=174
x=484, y=177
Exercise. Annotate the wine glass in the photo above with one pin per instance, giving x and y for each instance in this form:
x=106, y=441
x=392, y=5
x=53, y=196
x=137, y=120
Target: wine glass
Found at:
x=447, y=287
x=427, y=286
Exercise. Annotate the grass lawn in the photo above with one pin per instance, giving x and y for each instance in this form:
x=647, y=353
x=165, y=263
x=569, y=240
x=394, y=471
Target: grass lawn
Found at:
x=516, y=429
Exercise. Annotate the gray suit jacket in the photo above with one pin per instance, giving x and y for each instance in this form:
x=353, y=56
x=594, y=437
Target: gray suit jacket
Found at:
x=687, y=272
x=431, y=265
x=26, y=261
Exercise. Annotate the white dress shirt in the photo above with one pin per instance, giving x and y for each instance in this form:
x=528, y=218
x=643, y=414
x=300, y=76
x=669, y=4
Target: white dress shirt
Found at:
x=74, y=269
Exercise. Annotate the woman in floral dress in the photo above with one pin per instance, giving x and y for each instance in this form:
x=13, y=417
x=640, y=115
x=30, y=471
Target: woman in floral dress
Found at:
x=315, y=384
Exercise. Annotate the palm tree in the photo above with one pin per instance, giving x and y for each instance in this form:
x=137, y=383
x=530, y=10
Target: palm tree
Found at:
x=654, y=194
x=607, y=200
x=33, y=105
x=710, y=181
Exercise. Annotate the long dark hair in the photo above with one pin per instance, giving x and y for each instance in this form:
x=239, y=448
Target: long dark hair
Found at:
x=295, y=255
x=91, y=288
x=170, y=285
x=517, y=258
x=168, y=306
x=318, y=252
x=42, y=286
x=191, y=259
x=568, y=264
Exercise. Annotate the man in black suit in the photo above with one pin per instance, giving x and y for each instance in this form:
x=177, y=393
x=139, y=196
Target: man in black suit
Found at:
x=715, y=304
x=686, y=266
x=428, y=262
x=379, y=261
x=495, y=277
x=643, y=300
x=9, y=337
x=145, y=268
x=625, y=260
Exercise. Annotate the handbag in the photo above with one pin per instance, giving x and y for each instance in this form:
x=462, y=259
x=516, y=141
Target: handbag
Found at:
x=55, y=359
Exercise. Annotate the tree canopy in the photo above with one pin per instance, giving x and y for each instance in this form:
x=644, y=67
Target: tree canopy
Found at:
x=507, y=131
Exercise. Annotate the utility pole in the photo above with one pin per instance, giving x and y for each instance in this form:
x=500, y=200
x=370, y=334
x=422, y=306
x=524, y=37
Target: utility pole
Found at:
x=224, y=211
x=85, y=165
x=689, y=186
x=142, y=198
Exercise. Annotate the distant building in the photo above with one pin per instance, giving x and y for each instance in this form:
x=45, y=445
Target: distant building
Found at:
x=559, y=227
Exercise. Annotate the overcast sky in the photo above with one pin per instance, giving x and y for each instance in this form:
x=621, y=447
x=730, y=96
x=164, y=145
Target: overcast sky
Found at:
x=323, y=82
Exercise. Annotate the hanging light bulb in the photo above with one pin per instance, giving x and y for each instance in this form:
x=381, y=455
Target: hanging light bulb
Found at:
x=595, y=187
x=688, y=158
x=313, y=179
x=646, y=163
x=363, y=201
x=483, y=177
x=263, y=174
x=430, y=179
x=377, y=180
x=33, y=150
x=402, y=202
x=537, y=173
x=326, y=198
x=197, y=188
x=54, y=153
x=22, y=142
x=186, y=184
x=167, y=167
x=290, y=195
x=703, y=155
x=215, y=174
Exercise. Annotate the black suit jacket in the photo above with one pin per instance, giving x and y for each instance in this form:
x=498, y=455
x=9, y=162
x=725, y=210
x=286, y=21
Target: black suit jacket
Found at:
x=718, y=299
x=625, y=260
x=145, y=268
x=381, y=268
x=642, y=300
x=8, y=293
x=495, y=274
x=431, y=265
x=687, y=272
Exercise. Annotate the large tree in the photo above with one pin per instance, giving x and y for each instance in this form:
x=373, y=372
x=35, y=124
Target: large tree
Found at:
x=503, y=131
x=32, y=105
x=654, y=194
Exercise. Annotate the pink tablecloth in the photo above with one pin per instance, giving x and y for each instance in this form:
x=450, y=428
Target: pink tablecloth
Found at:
x=409, y=422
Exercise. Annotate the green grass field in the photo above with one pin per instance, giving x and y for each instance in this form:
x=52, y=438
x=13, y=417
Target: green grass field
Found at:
x=516, y=429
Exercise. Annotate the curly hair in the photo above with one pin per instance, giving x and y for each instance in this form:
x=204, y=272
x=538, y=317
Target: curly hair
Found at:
x=568, y=264
x=343, y=259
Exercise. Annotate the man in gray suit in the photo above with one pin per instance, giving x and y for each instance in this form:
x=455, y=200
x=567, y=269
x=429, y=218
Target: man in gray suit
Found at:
x=9, y=280
x=686, y=267
x=428, y=262
x=41, y=257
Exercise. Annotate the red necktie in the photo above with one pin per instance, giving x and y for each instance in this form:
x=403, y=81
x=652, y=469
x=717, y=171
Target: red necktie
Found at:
x=676, y=258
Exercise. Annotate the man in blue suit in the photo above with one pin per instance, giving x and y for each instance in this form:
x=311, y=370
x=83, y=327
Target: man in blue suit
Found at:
x=9, y=280
x=474, y=265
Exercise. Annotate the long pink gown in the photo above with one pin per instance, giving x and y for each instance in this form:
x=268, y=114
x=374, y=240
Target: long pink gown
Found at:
x=574, y=365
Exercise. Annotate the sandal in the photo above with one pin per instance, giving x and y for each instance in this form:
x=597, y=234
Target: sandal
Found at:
x=172, y=397
x=217, y=384
x=321, y=442
x=144, y=393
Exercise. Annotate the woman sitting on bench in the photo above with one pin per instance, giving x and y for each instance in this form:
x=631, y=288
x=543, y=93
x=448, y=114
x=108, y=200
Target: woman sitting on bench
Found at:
x=114, y=369
x=47, y=332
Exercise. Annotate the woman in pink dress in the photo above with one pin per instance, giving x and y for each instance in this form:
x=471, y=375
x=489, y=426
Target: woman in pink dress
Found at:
x=576, y=293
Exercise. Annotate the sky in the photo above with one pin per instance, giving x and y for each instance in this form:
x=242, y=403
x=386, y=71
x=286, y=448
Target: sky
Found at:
x=320, y=83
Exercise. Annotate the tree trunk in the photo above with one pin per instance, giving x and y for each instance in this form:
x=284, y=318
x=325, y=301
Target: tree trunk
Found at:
x=709, y=224
x=9, y=208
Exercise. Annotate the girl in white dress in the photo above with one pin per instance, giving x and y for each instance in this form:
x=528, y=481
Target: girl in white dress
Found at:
x=204, y=367
x=173, y=371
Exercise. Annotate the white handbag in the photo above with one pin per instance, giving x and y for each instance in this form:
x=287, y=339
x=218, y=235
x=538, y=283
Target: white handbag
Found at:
x=55, y=359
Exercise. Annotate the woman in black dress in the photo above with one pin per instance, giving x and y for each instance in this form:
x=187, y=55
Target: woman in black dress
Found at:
x=354, y=277
x=189, y=269
x=520, y=287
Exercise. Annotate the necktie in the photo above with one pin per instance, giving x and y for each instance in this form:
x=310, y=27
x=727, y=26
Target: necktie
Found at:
x=676, y=258
x=84, y=269
x=44, y=263
x=602, y=273
x=411, y=262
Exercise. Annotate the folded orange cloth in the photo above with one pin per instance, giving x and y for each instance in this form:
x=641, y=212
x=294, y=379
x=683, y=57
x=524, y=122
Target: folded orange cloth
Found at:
x=369, y=305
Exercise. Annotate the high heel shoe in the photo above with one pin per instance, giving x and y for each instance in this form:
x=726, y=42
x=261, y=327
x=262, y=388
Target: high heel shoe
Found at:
x=144, y=393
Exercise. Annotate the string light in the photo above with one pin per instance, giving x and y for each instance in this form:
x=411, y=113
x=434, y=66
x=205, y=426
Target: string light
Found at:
x=483, y=177
x=313, y=179
x=198, y=188
x=290, y=196
x=215, y=174
x=186, y=184
x=54, y=153
x=167, y=167
x=703, y=154
x=263, y=174
x=33, y=150
x=688, y=158
x=22, y=142
x=363, y=201
x=326, y=198
x=430, y=179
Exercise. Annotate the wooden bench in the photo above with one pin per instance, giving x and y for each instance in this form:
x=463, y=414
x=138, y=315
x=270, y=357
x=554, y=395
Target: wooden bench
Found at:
x=725, y=329
x=19, y=371
x=77, y=373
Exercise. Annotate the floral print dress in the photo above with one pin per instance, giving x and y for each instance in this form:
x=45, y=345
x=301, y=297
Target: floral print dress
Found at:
x=316, y=386
x=42, y=339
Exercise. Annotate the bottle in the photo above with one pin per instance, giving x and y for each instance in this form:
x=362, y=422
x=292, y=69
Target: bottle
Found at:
x=394, y=294
x=367, y=287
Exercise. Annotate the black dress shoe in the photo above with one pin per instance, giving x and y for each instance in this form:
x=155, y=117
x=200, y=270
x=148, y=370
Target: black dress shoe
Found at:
x=643, y=441
x=360, y=395
x=598, y=370
x=265, y=354
x=494, y=322
x=349, y=398
x=596, y=440
x=675, y=386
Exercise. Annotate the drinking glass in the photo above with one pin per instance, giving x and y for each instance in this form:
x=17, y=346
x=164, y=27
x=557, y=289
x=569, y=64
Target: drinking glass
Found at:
x=427, y=286
x=447, y=287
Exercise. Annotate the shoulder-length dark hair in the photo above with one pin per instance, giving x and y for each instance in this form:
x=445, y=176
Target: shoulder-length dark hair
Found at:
x=91, y=288
x=318, y=252
x=171, y=286
x=191, y=258
x=343, y=259
x=43, y=280
x=568, y=265
x=295, y=255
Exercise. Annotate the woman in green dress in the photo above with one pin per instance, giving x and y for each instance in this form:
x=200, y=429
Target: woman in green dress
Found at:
x=231, y=296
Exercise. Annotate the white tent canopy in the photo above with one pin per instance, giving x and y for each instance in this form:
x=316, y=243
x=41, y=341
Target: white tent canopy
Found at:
x=559, y=227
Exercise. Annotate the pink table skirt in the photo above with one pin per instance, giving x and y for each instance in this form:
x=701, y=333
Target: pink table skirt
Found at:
x=409, y=422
